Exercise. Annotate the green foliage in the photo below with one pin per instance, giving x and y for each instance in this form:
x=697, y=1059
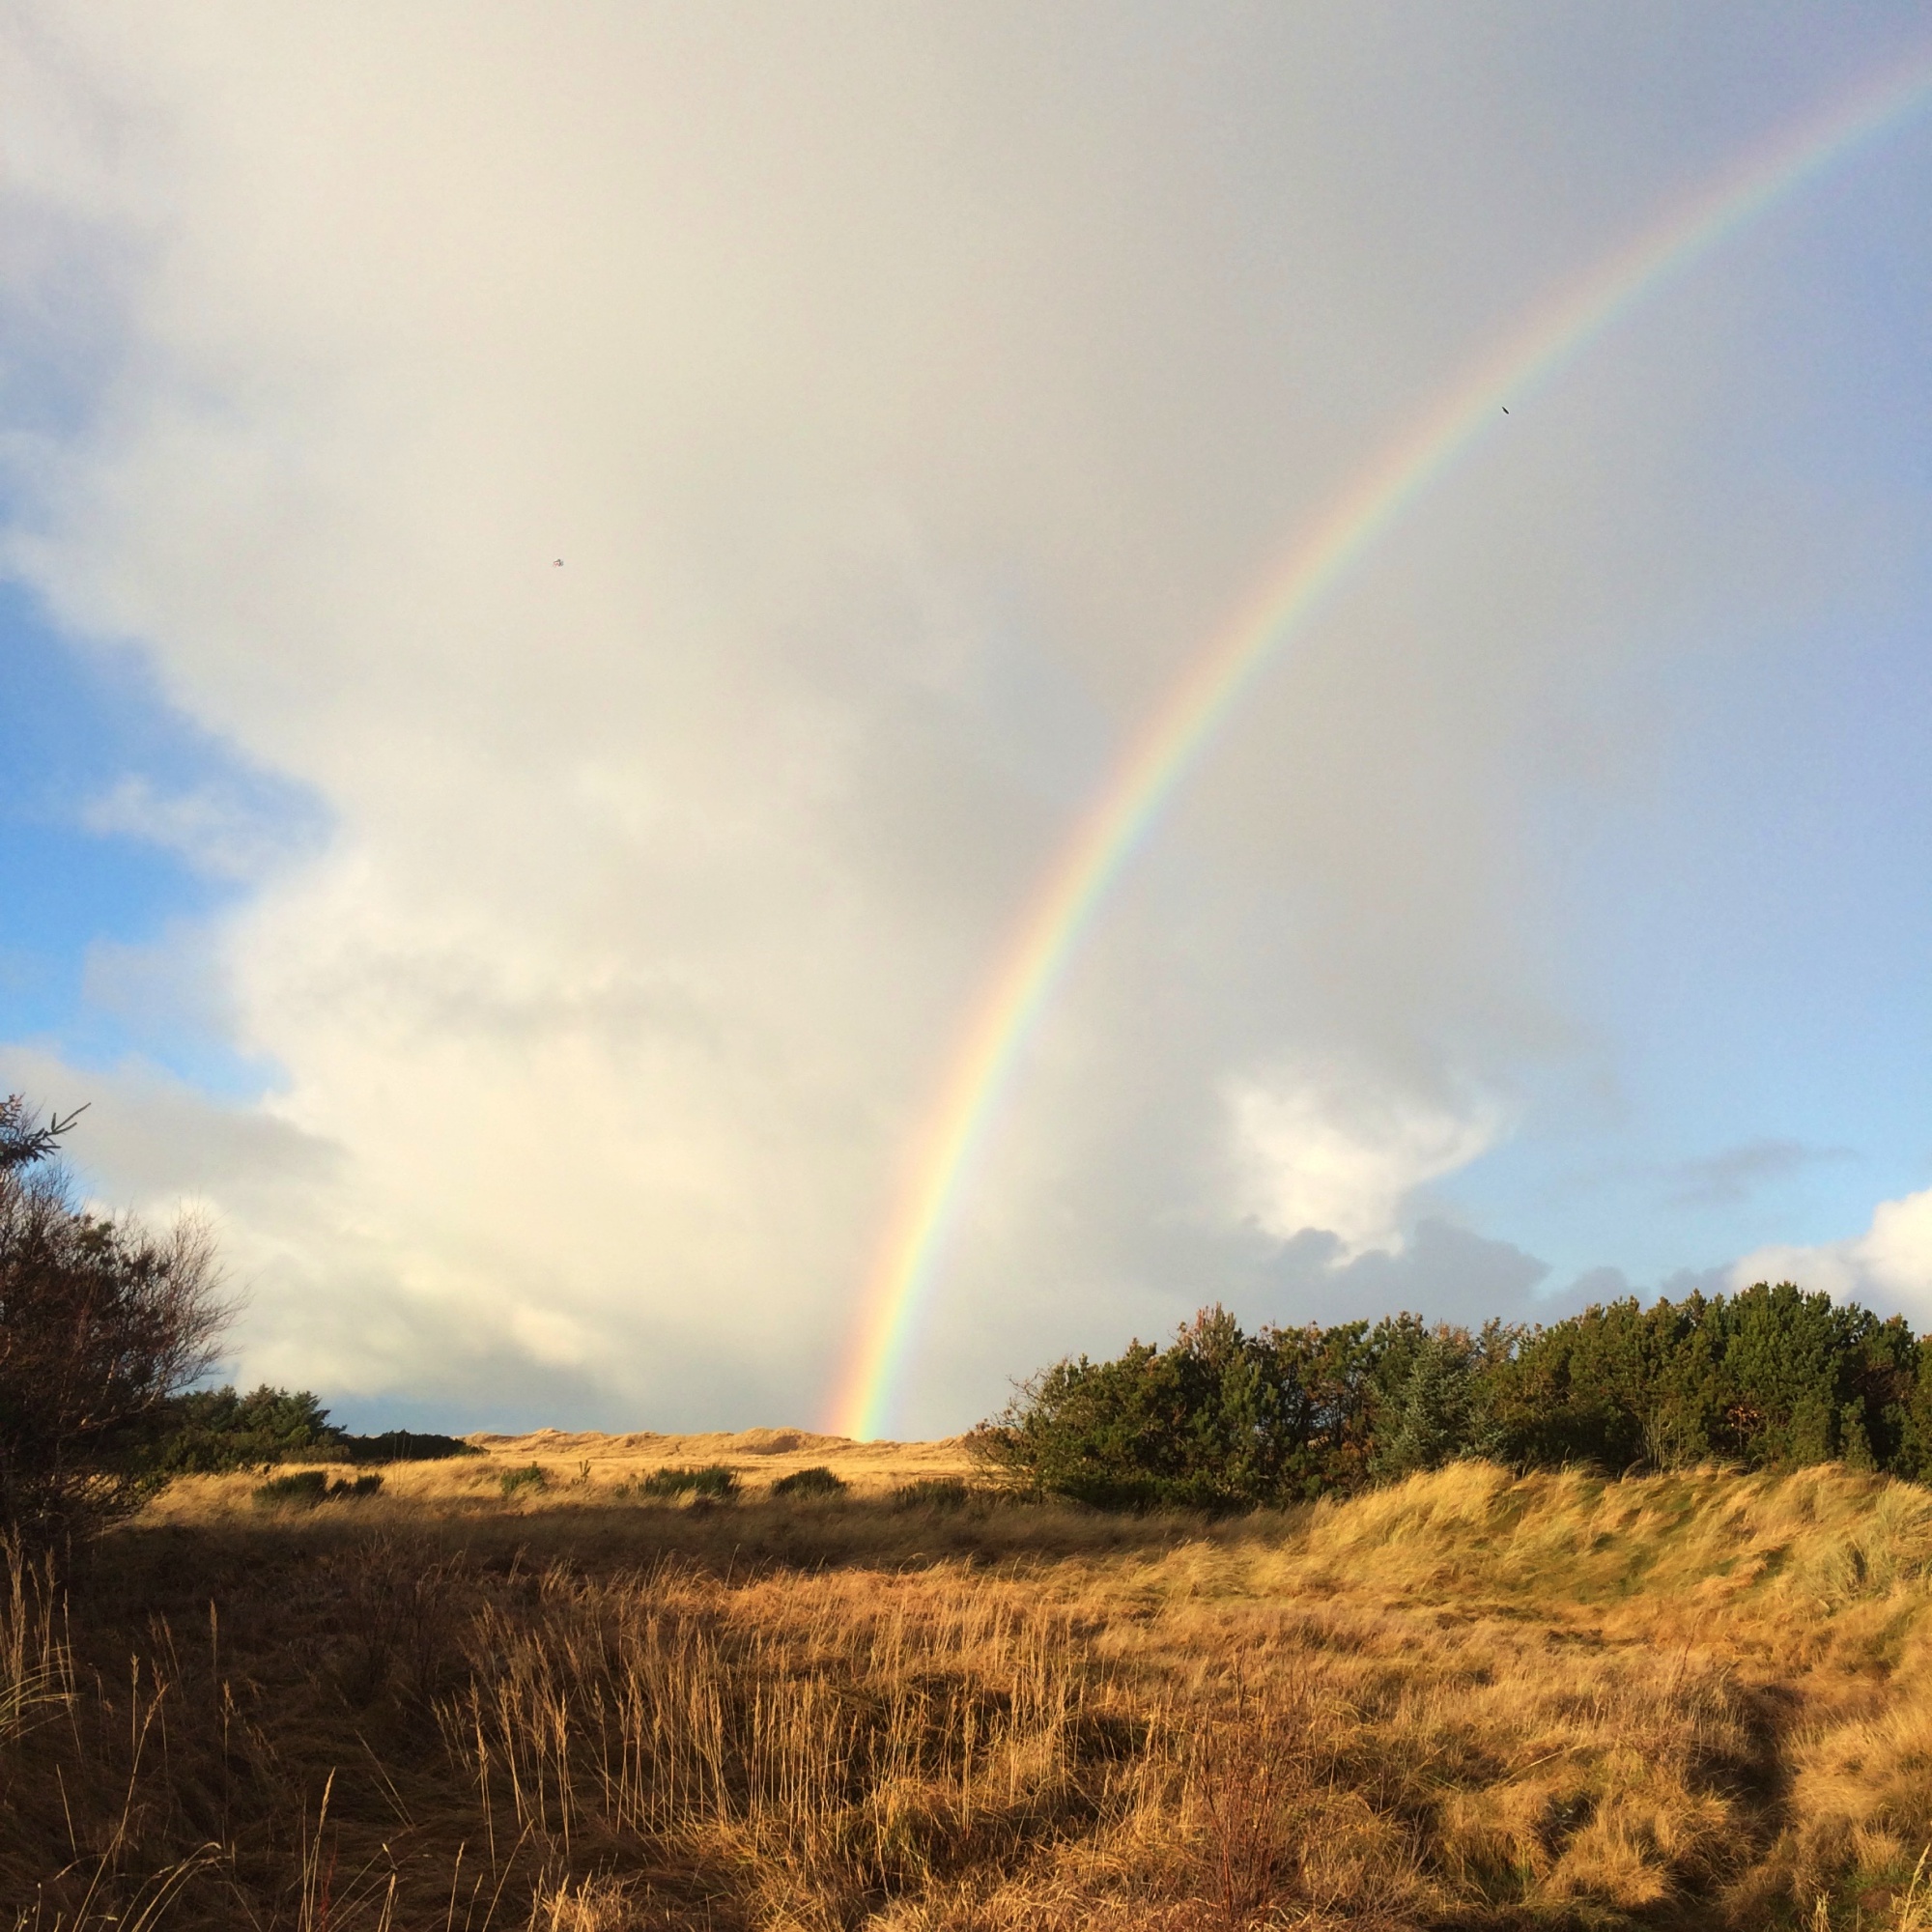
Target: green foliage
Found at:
x=1219, y=1420
x=814, y=1481
x=1427, y=1404
x=209, y=1432
x=22, y=1143
x=1771, y=1377
x=934, y=1492
x=714, y=1482
x=532, y=1479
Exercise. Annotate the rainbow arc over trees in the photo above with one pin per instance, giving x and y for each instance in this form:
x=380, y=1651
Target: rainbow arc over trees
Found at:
x=1209, y=689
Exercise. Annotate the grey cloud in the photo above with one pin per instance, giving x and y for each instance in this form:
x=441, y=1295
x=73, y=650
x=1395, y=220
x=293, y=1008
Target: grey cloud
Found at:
x=168, y=989
x=1442, y=1271
x=1595, y=1287
x=1733, y=1175
x=1684, y=1282
x=147, y=1137
x=1450, y=1273
x=460, y=1371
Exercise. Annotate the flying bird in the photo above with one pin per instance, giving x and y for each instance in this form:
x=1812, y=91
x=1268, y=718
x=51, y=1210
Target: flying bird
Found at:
x=1506, y=410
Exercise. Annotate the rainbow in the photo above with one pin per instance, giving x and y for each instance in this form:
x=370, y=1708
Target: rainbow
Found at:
x=1117, y=821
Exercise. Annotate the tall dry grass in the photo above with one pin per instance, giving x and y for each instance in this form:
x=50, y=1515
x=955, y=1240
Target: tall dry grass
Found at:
x=1468, y=1700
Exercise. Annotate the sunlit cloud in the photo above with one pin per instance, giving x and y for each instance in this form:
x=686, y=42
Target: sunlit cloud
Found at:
x=1339, y=1157
x=1889, y=1266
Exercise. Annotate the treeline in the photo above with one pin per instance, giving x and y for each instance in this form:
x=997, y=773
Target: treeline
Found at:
x=207, y=1432
x=1223, y=1419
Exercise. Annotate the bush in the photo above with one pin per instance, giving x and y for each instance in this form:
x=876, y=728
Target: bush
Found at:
x=1770, y=1377
x=815, y=1482
x=714, y=1480
x=101, y=1322
x=1220, y=1420
x=515, y=1481
x=209, y=1432
x=305, y=1489
x=405, y=1445
x=935, y=1492
x=302, y=1488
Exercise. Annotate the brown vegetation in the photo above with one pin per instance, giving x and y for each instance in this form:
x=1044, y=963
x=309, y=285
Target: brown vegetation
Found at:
x=1467, y=1700
x=100, y=1321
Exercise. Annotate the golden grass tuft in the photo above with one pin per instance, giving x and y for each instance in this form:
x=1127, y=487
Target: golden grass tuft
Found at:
x=1470, y=1699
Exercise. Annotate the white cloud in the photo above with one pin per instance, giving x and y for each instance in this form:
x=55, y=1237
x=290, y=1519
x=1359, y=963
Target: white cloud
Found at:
x=1341, y=1156
x=1889, y=1266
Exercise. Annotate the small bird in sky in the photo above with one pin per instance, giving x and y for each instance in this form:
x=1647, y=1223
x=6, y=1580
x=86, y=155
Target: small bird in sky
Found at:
x=1506, y=410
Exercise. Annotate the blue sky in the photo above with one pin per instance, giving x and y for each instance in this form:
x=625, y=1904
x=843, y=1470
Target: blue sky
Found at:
x=78, y=726
x=1749, y=930
x=542, y=972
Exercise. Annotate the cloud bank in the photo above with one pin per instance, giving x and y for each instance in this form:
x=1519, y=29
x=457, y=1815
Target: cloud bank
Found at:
x=905, y=393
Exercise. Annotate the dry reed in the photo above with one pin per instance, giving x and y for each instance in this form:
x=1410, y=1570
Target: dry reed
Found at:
x=1468, y=1700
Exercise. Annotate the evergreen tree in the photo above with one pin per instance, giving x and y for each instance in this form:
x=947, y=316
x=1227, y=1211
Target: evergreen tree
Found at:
x=1770, y=1377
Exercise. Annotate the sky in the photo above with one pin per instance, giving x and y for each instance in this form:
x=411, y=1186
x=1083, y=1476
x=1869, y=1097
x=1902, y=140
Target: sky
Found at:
x=565, y=572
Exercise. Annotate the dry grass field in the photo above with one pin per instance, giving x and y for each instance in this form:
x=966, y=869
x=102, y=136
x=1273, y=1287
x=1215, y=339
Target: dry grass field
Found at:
x=589, y=1470
x=1471, y=1700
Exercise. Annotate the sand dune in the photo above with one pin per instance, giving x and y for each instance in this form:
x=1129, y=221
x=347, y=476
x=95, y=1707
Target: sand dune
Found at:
x=759, y=1455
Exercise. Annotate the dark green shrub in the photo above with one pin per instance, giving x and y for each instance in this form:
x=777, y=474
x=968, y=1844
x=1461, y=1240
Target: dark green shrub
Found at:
x=405, y=1445
x=1770, y=1377
x=207, y=1432
x=1219, y=1420
x=814, y=1481
x=303, y=1489
x=516, y=1481
x=934, y=1492
x=714, y=1480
